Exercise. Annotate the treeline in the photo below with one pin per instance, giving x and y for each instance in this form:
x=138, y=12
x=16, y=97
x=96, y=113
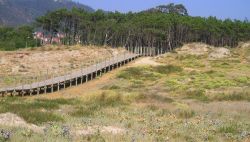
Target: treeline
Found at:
x=15, y=38
x=163, y=27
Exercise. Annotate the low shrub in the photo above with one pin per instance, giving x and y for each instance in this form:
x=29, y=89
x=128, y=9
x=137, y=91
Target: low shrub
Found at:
x=167, y=69
x=183, y=111
x=197, y=94
x=234, y=96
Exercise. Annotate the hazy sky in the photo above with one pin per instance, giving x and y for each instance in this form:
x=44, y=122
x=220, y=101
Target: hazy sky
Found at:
x=234, y=9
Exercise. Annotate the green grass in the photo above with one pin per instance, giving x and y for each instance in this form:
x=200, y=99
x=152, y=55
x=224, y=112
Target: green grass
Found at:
x=35, y=111
x=167, y=69
x=229, y=128
x=243, y=80
x=206, y=80
x=139, y=73
x=184, y=111
x=197, y=94
x=96, y=102
x=234, y=96
x=148, y=73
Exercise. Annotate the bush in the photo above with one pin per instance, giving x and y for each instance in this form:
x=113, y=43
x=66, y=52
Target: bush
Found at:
x=198, y=94
x=230, y=128
x=167, y=69
x=235, y=96
x=184, y=111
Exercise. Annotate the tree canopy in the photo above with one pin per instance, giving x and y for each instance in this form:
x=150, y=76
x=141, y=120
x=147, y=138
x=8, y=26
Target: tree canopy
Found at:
x=165, y=27
x=15, y=38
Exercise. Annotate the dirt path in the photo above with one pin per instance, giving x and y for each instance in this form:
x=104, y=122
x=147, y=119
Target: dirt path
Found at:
x=146, y=61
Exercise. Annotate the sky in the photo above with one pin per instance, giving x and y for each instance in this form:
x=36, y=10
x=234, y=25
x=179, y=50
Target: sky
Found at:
x=234, y=9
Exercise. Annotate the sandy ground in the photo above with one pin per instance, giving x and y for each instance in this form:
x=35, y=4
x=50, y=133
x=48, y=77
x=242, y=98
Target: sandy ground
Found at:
x=199, y=49
x=27, y=62
x=12, y=120
x=32, y=65
x=146, y=61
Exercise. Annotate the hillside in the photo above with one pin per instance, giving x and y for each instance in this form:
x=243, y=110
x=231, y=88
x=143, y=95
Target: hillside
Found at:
x=195, y=93
x=19, y=12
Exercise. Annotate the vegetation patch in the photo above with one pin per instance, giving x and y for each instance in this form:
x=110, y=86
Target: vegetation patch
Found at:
x=183, y=110
x=139, y=73
x=35, y=111
x=197, y=94
x=94, y=103
x=229, y=128
x=234, y=96
x=243, y=80
x=167, y=69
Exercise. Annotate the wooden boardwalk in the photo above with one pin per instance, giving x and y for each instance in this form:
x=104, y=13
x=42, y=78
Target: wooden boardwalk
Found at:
x=72, y=79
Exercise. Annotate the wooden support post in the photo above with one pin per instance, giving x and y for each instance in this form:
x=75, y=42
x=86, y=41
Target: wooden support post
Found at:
x=13, y=93
x=45, y=89
x=124, y=58
x=15, y=83
x=38, y=91
x=52, y=88
x=109, y=64
x=96, y=69
x=52, y=85
x=117, y=61
x=22, y=88
x=81, y=80
x=76, y=81
x=31, y=91
x=36, y=87
x=58, y=86
x=101, y=68
x=64, y=82
x=105, y=69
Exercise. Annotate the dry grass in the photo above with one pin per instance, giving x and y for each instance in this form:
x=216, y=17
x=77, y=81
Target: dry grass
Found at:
x=28, y=65
x=183, y=98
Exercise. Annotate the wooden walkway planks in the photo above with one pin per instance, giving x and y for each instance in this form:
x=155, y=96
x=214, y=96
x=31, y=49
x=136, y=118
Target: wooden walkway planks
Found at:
x=55, y=84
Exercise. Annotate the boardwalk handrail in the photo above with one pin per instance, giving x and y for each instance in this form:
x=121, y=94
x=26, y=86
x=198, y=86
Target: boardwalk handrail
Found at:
x=82, y=75
x=67, y=80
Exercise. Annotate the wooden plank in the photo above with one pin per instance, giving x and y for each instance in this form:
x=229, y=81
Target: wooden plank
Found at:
x=69, y=77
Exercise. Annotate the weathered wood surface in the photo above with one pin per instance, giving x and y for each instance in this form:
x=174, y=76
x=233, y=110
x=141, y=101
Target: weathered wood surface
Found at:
x=74, y=76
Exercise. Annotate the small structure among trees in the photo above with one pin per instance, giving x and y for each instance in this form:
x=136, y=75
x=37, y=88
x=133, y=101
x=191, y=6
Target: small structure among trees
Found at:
x=49, y=39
